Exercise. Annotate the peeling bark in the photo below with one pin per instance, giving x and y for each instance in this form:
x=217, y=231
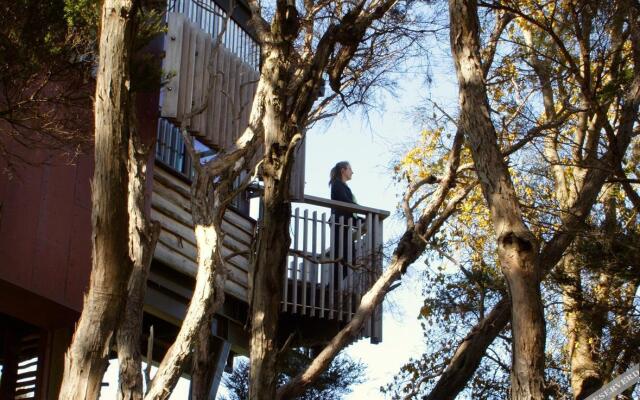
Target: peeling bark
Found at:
x=143, y=236
x=87, y=358
x=517, y=247
x=274, y=239
x=208, y=293
x=203, y=366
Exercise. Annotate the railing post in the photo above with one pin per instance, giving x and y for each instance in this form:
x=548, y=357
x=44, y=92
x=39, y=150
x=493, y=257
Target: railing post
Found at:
x=341, y=256
x=377, y=331
x=350, y=270
x=368, y=273
x=305, y=260
x=323, y=267
x=314, y=267
x=294, y=278
x=332, y=256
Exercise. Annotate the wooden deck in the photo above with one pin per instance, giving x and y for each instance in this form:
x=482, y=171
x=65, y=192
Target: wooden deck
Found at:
x=332, y=263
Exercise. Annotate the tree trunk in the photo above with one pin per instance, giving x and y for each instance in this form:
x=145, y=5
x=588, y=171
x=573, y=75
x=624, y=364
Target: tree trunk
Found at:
x=469, y=353
x=411, y=246
x=517, y=247
x=143, y=236
x=87, y=358
x=267, y=280
x=203, y=365
x=582, y=343
x=208, y=293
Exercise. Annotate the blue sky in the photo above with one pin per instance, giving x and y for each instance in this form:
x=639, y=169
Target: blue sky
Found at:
x=371, y=148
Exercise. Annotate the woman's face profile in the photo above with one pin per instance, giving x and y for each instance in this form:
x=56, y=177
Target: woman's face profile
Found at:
x=347, y=172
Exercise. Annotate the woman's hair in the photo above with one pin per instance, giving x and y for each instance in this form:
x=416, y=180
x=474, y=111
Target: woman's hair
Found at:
x=336, y=171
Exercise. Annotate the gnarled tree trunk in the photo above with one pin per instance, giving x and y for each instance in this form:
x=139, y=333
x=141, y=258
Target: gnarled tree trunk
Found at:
x=143, y=236
x=208, y=293
x=517, y=246
x=274, y=239
x=87, y=358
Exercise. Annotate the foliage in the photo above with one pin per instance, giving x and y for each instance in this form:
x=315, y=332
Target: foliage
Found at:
x=47, y=66
x=468, y=280
x=334, y=383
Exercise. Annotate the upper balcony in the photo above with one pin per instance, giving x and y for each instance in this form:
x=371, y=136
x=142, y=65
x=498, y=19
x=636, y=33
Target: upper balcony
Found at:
x=188, y=55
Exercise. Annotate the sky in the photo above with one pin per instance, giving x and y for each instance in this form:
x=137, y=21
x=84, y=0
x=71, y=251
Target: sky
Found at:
x=371, y=147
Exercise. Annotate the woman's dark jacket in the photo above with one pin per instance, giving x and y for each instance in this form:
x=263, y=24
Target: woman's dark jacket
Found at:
x=341, y=192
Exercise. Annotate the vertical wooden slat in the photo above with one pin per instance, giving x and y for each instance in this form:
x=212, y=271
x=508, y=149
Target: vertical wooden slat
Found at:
x=341, y=256
x=359, y=261
x=350, y=271
x=193, y=48
x=314, y=267
x=332, y=255
x=234, y=121
x=370, y=260
x=224, y=97
x=305, y=261
x=294, y=278
x=162, y=145
x=285, y=284
x=324, y=266
x=184, y=69
x=216, y=101
x=173, y=44
x=205, y=96
x=167, y=143
x=207, y=118
x=377, y=331
x=230, y=99
x=199, y=70
x=173, y=143
x=220, y=97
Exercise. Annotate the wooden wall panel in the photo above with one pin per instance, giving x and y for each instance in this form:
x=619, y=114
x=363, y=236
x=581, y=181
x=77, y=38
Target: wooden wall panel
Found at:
x=188, y=53
x=176, y=247
x=171, y=64
x=45, y=229
x=54, y=231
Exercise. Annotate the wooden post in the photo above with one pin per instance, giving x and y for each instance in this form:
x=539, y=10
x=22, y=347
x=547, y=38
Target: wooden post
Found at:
x=305, y=261
x=314, y=267
x=324, y=268
x=340, y=267
x=332, y=252
x=350, y=271
x=294, y=278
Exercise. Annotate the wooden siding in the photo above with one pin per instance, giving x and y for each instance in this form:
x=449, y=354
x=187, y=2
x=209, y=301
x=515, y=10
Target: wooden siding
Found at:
x=188, y=53
x=170, y=205
x=45, y=228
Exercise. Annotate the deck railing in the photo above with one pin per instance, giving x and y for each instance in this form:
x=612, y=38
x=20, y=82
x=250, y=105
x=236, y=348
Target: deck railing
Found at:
x=333, y=262
x=209, y=17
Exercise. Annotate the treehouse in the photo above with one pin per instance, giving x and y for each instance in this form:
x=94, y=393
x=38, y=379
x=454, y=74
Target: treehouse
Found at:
x=45, y=234
x=315, y=302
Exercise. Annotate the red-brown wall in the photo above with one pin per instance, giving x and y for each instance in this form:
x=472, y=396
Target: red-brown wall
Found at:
x=45, y=219
x=45, y=228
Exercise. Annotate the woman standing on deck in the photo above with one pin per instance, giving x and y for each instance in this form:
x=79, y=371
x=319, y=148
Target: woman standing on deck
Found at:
x=340, y=174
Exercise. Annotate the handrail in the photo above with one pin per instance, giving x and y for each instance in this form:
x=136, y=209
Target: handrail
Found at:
x=344, y=206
